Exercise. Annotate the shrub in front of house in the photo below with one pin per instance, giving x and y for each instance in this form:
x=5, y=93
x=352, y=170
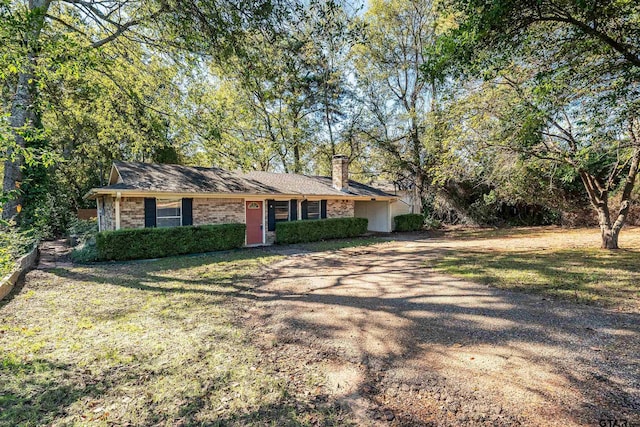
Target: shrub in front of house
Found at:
x=319, y=229
x=143, y=243
x=409, y=222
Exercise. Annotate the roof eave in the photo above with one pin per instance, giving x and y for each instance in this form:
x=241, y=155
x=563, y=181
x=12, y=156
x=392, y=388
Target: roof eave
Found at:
x=96, y=192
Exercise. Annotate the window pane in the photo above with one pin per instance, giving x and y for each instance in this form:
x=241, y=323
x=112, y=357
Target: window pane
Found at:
x=313, y=209
x=168, y=203
x=168, y=222
x=282, y=210
x=164, y=212
x=166, y=207
x=168, y=212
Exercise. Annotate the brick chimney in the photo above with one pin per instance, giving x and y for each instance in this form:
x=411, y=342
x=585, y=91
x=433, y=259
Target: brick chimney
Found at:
x=340, y=173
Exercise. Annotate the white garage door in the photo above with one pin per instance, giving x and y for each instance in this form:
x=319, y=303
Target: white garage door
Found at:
x=376, y=212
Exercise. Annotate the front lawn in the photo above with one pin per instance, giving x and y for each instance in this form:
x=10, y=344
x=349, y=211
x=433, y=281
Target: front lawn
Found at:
x=147, y=343
x=554, y=262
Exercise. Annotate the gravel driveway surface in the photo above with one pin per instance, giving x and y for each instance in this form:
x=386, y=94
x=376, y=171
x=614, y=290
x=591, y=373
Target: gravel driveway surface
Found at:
x=403, y=345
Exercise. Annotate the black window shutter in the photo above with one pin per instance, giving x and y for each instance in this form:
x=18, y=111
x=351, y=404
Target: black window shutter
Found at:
x=323, y=208
x=293, y=210
x=271, y=215
x=187, y=211
x=149, y=212
x=305, y=210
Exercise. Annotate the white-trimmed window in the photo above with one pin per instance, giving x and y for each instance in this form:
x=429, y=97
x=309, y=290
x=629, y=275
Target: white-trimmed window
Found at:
x=168, y=212
x=281, y=208
x=313, y=209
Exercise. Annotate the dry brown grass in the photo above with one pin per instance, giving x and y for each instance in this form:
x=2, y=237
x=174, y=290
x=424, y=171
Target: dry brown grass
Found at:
x=165, y=342
x=558, y=262
x=146, y=343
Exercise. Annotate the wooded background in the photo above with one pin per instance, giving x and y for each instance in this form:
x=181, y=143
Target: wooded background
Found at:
x=491, y=111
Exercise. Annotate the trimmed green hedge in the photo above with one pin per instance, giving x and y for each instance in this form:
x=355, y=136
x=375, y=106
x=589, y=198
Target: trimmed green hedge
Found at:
x=143, y=243
x=409, y=222
x=313, y=230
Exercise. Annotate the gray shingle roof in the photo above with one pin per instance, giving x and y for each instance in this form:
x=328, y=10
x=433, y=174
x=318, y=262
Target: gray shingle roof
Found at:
x=179, y=179
x=185, y=179
x=290, y=183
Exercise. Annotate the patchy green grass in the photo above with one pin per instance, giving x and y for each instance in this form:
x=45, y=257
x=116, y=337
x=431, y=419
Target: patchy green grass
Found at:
x=145, y=343
x=552, y=262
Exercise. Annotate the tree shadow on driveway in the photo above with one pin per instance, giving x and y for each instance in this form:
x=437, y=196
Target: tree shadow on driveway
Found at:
x=396, y=336
x=438, y=349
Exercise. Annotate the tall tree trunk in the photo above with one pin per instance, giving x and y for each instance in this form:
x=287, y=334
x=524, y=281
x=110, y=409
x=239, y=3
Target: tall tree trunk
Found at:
x=417, y=163
x=609, y=237
x=625, y=200
x=608, y=233
x=22, y=118
x=599, y=197
x=297, y=166
x=327, y=118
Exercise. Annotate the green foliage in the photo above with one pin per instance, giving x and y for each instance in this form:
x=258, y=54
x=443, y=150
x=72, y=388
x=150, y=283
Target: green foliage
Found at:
x=162, y=242
x=97, y=92
x=542, y=103
x=282, y=98
x=402, y=124
x=507, y=96
x=13, y=244
x=82, y=230
x=85, y=253
x=6, y=262
x=36, y=156
x=47, y=206
x=320, y=229
x=409, y=222
x=82, y=235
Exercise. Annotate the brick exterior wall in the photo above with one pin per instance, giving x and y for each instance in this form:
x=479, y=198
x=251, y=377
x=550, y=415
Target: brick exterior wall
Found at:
x=132, y=212
x=218, y=211
x=205, y=211
x=340, y=208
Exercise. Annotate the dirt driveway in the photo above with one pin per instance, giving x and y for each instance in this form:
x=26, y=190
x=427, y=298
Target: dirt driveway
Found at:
x=403, y=345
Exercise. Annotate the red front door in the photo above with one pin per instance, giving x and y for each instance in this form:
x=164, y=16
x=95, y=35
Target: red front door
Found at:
x=254, y=223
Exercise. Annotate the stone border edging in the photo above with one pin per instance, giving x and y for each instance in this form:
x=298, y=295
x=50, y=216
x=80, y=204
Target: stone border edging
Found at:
x=23, y=264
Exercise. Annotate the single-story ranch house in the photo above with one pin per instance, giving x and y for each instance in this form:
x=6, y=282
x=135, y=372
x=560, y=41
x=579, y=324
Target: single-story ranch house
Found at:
x=161, y=195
